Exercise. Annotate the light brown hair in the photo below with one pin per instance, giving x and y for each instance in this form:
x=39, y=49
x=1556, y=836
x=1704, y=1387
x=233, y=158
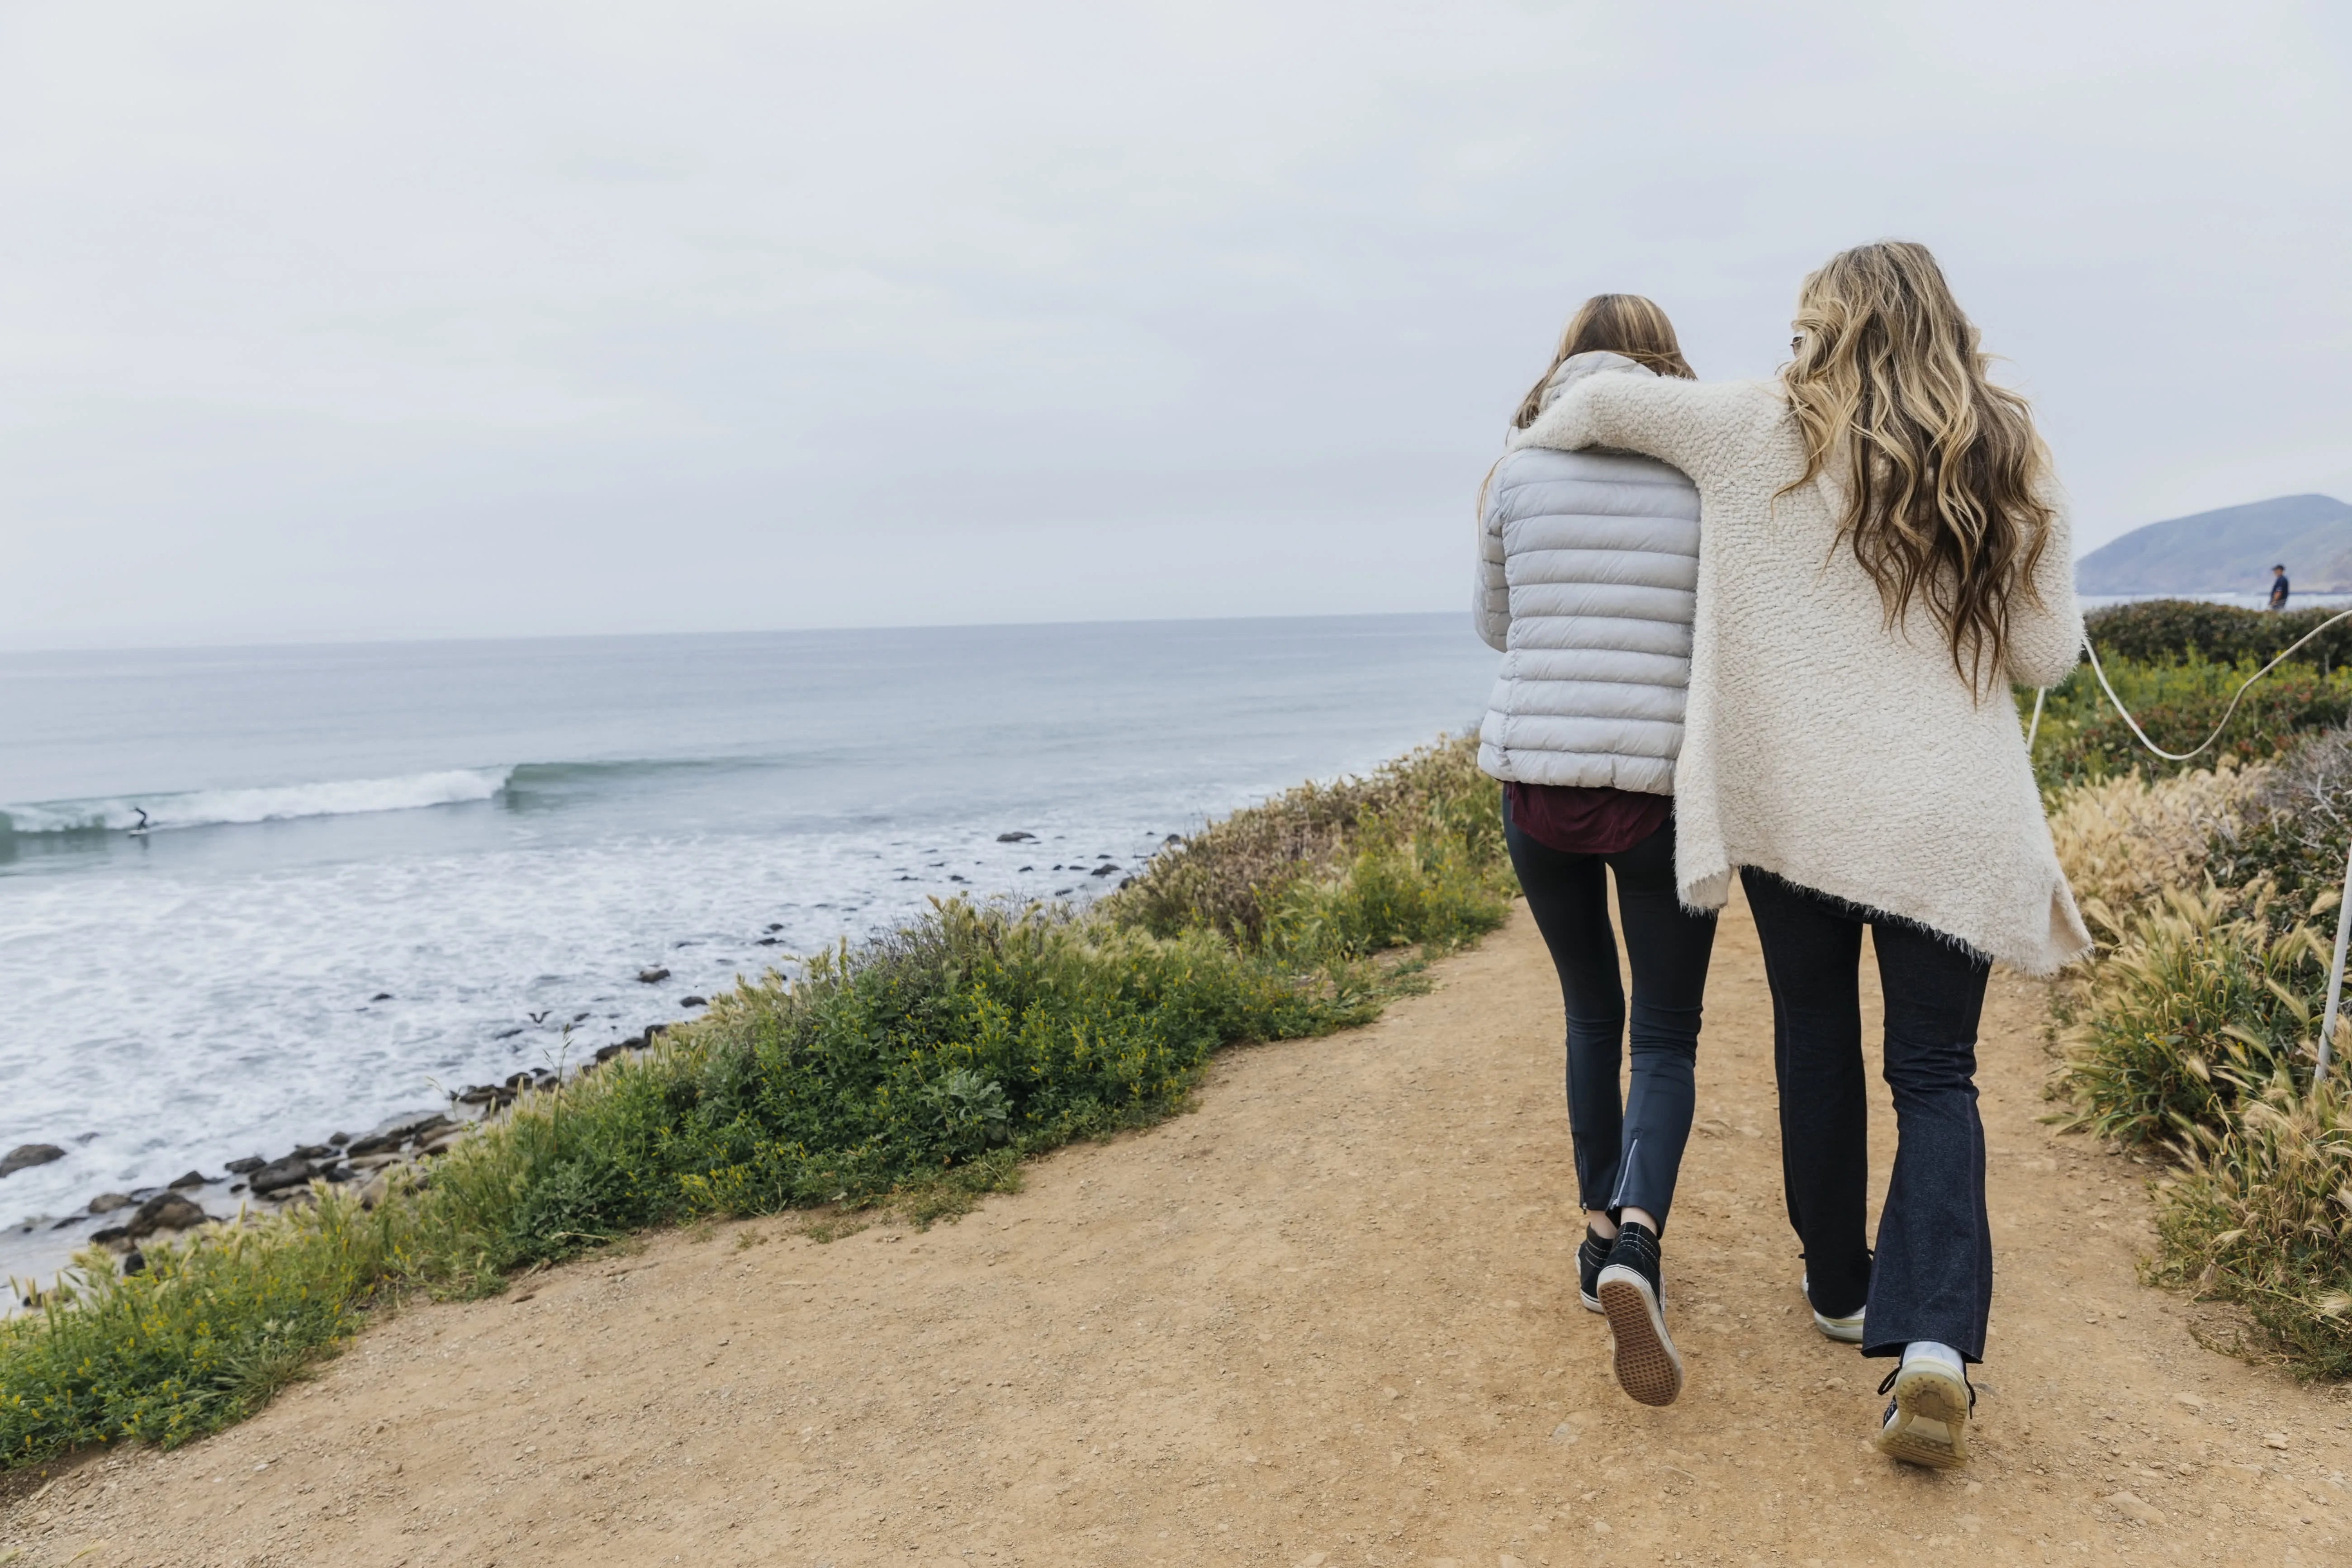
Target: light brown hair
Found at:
x=1620, y=323
x=1943, y=472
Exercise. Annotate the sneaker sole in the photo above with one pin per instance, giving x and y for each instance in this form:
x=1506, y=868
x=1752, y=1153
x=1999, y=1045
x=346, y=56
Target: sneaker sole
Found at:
x=1931, y=1420
x=1648, y=1367
x=1591, y=1303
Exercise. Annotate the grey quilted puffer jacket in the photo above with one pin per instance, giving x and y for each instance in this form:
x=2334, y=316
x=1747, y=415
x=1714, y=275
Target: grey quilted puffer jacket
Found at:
x=1587, y=563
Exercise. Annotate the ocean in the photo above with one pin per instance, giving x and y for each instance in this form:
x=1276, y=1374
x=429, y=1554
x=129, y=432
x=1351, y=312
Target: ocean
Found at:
x=374, y=873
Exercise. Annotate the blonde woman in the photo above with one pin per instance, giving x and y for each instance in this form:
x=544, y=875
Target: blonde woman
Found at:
x=1883, y=554
x=1586, y=565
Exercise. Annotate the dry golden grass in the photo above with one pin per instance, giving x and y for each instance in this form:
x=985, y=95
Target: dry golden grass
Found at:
x=1236, y=875
x=2125, y=840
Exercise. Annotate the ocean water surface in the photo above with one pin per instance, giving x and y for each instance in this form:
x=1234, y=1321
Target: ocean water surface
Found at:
x=372, y=873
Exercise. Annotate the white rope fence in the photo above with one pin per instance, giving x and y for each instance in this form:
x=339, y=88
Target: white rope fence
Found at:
x=2344, y=906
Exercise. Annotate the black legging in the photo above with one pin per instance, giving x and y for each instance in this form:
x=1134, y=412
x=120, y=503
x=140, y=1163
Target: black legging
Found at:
x=1628, y=1158
x=1932, y=1279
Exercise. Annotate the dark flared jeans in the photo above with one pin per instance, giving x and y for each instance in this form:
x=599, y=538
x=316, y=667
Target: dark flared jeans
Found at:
x=1626, y=1155
x=1932, y=1276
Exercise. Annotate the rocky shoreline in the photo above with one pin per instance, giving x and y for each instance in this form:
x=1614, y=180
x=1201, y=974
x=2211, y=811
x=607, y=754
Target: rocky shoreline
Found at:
x=261, y=1186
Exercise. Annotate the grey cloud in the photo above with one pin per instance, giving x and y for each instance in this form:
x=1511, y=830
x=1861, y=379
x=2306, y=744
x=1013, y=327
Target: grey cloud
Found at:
x=455, y=320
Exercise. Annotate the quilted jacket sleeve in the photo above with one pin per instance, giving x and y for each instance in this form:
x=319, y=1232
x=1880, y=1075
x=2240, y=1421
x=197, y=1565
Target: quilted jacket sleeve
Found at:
x=1490, y=594
x=2045, y=640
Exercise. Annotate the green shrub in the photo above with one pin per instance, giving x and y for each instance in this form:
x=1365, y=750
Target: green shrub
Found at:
x=976, y=1030
x=2178, y=702
x=2263, y=1216
x=1234, y=874
x=198, y=1340
x=2199, y=999
x=917, y=1069
x=2293, y=827
x=2156, y=631
x=2195, y=1028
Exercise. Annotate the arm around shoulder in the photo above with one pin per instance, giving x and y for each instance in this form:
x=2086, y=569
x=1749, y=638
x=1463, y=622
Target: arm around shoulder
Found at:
x=1679, y=422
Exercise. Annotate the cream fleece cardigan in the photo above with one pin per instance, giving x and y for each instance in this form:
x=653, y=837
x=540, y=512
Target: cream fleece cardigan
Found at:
x=1818, y=743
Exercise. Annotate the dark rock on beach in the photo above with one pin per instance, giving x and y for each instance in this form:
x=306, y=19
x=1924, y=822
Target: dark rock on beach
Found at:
x=106, y=1203
x=653, y=976
x=1014, y=837
x=24, y=1156
x=694, y=1002
x=165, y=1211
x=294, y=1171
x=606, y=1052
x=193, y=1179
x=314, y=1152
x=398, y=1130
x=1104, y=872
x=381, y=997
x=245, y=1166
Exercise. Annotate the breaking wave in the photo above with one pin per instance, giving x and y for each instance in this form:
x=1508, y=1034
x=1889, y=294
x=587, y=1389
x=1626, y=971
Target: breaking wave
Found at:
x=218, y=807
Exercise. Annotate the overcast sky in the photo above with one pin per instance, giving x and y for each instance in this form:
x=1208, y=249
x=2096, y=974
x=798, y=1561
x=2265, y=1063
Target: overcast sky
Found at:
x=414, y=319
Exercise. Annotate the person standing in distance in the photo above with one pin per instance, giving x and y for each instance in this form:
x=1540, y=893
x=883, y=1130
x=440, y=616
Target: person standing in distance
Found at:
x=2278, y=586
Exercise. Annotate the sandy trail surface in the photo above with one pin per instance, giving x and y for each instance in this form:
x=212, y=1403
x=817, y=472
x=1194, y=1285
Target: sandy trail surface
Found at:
x=1327, y=1319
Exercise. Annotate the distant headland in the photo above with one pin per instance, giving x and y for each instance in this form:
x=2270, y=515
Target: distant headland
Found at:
x=2229, y=551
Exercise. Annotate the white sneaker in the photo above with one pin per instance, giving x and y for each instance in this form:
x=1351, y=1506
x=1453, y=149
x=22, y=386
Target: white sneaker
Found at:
x=1845, y=1330
x=1926, y=1422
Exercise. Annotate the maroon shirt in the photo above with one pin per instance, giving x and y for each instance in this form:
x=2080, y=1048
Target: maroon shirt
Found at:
x=1587, y=821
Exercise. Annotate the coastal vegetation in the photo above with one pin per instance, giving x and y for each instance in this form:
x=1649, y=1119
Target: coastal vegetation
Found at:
x=913, y=1072
x=2178, y=666
x=2191, y=1035
x=918, y=1070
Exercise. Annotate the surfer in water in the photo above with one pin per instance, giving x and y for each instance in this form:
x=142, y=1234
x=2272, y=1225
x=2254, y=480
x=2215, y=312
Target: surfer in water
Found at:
x=140, y=831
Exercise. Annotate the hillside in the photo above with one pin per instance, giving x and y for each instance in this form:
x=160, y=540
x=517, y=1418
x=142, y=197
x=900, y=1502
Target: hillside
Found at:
x=2230, y=549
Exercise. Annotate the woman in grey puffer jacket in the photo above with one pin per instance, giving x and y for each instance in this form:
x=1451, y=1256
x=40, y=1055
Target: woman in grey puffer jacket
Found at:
x=1588, y=562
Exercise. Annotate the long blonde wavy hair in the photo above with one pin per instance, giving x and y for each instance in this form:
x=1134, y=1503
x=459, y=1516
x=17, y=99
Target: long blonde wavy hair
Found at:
x=1943, y=471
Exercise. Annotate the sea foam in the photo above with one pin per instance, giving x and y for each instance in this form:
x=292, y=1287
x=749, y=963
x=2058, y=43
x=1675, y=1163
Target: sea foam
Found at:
x=221, y=807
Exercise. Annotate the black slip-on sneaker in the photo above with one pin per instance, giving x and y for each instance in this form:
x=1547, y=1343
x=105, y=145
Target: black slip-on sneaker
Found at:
x=1590, y=1259
x=1648, y=1366
x=1927, y=1422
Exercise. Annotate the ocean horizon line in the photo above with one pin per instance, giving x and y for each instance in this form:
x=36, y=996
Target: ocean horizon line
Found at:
x=575, y=639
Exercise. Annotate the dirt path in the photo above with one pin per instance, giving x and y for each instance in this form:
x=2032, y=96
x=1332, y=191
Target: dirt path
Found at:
x=1329, y=1319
